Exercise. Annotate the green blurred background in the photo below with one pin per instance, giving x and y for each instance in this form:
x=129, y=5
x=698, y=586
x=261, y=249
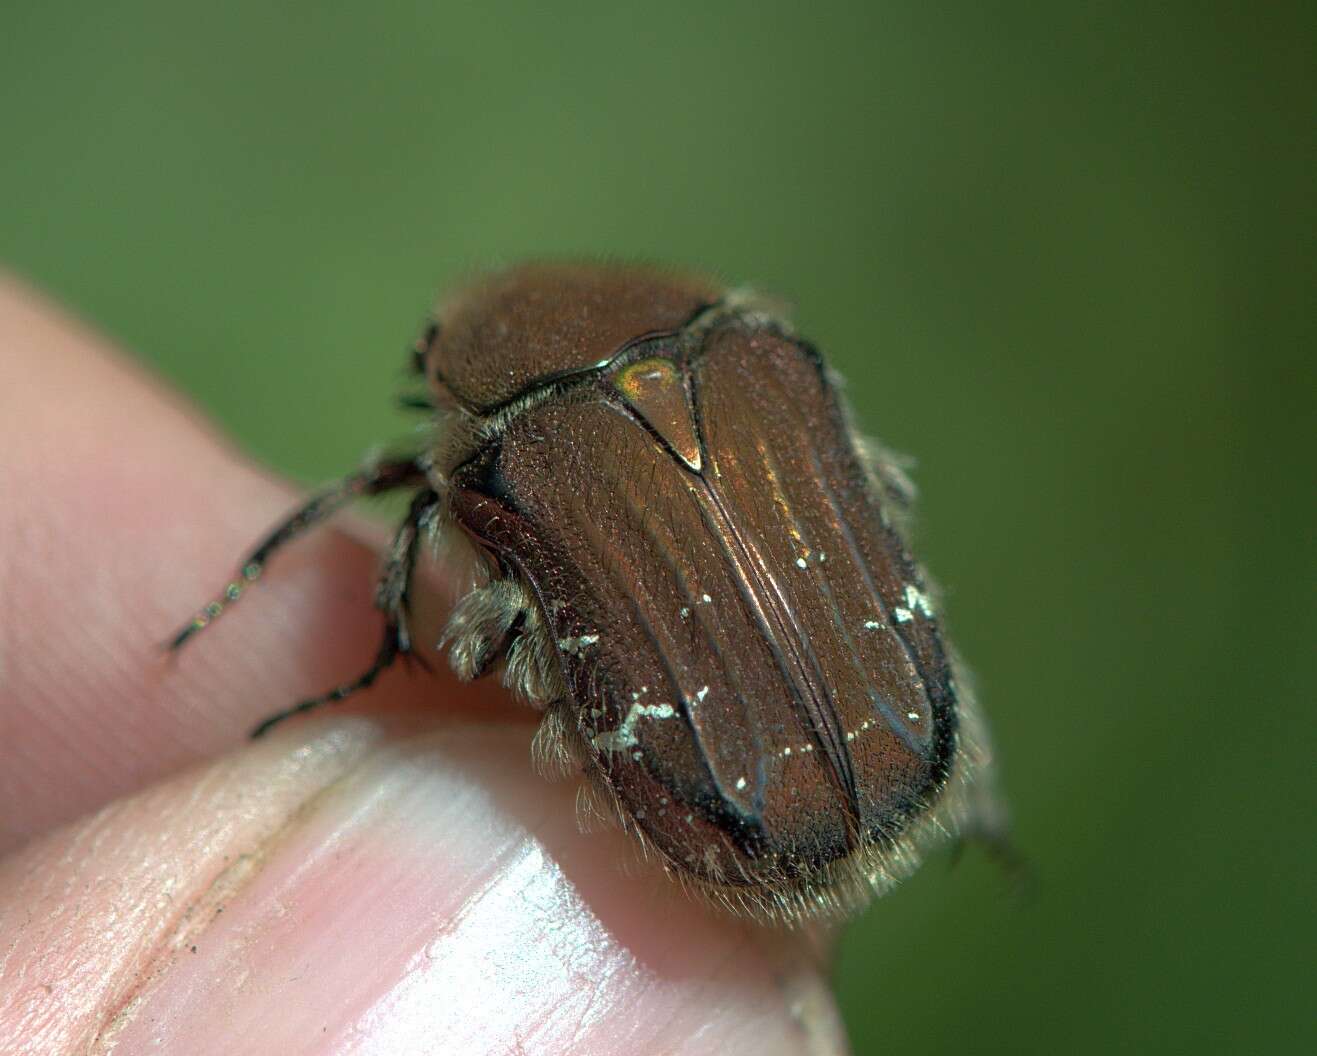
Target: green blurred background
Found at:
x=1061, y=253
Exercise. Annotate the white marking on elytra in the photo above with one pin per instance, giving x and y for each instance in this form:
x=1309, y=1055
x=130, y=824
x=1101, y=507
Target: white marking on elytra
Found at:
x=872, y=625
x=801, y=563
x=902, y=615
x=917, y=600
x=625, y=735
x=913, y=716
x=685, y=613
x=576, y=646
x=852, y=734
x=740, y=784
x=705, y=598
x=699, y=697
x=801, y=748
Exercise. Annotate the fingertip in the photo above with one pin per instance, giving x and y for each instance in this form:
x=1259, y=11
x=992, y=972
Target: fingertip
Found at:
x=123, y=513
x=425, y=888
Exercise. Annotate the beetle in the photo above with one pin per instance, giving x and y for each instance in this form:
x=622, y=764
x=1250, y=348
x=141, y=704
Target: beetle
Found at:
x=695, y=568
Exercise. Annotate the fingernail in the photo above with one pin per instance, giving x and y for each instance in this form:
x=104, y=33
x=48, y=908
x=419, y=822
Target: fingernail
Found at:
x=91, y=913
x=438, y=897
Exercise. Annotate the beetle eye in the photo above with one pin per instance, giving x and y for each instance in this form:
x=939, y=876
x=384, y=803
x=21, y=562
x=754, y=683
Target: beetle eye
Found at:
x=423, y=345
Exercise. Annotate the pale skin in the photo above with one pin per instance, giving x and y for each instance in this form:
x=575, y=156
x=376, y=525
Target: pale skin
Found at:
x=388, y=877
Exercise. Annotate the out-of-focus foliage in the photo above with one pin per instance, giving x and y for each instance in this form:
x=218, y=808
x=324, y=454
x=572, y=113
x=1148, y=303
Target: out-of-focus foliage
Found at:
x=1059, y=251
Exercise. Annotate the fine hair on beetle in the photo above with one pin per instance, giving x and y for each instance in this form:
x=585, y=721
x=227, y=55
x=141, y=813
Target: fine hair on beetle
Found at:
x=690, y=562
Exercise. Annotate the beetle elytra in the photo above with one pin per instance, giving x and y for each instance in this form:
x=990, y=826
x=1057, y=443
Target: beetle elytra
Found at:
x=696, y=570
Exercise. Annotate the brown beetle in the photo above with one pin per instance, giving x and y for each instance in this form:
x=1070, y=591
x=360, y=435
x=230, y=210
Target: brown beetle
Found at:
x=695, y=568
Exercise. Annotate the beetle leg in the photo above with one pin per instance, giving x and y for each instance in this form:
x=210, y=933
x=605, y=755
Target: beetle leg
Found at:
x=889, y=471
x=502, y=620
x=988, y=827
x=481, y=626
x=386, y=476
x=392, y=597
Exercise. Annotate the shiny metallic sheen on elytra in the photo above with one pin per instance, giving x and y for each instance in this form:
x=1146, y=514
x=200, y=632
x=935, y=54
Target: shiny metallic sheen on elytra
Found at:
x=686, y=558
x=672, y=476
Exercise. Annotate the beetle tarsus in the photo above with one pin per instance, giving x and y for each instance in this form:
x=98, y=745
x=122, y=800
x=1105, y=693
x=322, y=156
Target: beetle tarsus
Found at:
x=388, y=653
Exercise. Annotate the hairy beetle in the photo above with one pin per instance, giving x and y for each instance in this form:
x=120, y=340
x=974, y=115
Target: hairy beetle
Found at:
x=695, y=568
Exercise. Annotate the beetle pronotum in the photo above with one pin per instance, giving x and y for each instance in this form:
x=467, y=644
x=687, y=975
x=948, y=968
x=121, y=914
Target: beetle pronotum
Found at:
x=695, y=569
